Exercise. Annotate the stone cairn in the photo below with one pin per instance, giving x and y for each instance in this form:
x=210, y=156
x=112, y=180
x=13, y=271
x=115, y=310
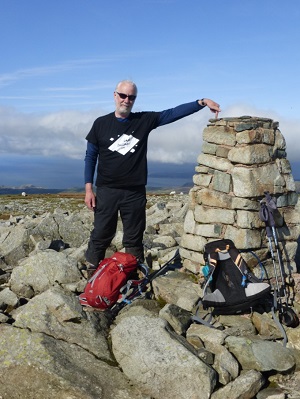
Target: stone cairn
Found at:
x=241, y=159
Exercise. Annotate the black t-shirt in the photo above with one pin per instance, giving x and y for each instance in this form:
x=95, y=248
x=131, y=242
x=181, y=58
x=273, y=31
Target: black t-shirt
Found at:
x=122, y=146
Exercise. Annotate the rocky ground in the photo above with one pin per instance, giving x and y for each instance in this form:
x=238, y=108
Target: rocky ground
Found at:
x=16, y=205
x=152, y=350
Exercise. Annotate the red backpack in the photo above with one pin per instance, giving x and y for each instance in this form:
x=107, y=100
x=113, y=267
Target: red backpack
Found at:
x=103, y=289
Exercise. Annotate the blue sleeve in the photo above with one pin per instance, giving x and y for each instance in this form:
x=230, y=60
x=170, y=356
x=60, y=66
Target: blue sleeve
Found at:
x=90, y=162
x=173, y=114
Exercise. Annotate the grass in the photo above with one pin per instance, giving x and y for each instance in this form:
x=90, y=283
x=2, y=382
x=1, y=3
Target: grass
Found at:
x=16, y=205
x=37, y=204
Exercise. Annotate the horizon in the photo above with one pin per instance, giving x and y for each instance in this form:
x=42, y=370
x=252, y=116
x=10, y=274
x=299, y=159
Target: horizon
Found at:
x=171, y=175
x=166, y=175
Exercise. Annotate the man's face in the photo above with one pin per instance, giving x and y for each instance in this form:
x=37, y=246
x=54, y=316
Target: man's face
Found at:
x=124, y=105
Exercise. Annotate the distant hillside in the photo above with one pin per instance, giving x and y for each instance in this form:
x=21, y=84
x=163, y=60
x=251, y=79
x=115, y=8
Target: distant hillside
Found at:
x=39, y=190
x=164, y=185
x=36, y=190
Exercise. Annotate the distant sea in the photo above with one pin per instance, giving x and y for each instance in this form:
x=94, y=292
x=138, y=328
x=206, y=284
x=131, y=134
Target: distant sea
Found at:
x=164, y=182
x=161, y=176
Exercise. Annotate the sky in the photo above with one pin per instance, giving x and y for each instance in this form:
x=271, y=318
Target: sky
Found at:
x=61, y=60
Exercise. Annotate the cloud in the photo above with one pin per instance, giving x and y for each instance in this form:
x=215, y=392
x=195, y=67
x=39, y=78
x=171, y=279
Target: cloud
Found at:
x=181, y=141
x=62, y=134
x=48, y=149
x=289, y=127
x=53, y=134
x=178, y=142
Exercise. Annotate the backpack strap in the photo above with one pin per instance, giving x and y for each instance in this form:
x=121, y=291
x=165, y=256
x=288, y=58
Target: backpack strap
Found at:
x=134, y=288
x=213, y=259
x=226, y=249
x=201, y=320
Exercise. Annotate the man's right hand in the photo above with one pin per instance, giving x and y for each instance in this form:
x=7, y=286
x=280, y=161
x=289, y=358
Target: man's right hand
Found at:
x=90, y=198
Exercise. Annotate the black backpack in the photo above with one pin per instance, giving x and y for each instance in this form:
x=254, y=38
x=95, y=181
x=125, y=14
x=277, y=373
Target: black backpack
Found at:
x=231, y=287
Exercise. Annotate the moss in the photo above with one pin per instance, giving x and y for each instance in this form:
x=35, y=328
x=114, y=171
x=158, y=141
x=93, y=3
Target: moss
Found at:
x=161, y=301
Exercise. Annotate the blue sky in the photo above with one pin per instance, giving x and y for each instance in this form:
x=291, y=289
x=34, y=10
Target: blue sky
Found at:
x=61, y=59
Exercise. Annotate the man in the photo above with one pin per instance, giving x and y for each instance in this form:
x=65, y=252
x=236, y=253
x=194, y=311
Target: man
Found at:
x=118, y=141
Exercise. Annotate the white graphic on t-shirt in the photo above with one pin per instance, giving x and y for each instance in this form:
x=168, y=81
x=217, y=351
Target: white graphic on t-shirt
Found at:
x=124, y=144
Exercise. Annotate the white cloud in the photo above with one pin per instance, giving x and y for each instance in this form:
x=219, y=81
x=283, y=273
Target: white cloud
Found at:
x=178, y=142
x=54, y=134
x=289, y=127
x=63, y=134
x=182, y=141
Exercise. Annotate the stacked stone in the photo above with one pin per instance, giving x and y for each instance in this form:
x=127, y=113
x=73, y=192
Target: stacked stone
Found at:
x=241, y=159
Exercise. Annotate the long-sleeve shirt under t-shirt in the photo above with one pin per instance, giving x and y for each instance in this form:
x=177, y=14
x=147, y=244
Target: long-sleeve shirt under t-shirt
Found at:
x=120, y=146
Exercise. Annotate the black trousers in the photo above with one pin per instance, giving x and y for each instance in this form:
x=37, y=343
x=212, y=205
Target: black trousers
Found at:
x=131, y=204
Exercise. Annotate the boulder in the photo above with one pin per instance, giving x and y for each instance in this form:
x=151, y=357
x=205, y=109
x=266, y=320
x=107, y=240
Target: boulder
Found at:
x=158, y=363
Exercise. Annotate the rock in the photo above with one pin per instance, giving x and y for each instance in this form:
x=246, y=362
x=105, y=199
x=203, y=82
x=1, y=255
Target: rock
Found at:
x=178, y=289
x=238, y=325
x=158, y=352
x=266, y=326
x=224, y=363
x=41, y=271
x=287, y=384
x=178, y=318
x=253, y=353
x=271, y=393
x=59, y=315
x=13, y=244
x=165, y=241
x=245, y=386
x=54, y=368
x=8, y=299
x=151, y=358
x=207, y=335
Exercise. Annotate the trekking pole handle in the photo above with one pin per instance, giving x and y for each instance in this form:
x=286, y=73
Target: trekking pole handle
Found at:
x=271, y=207
x=267, y=217
x=264, y=213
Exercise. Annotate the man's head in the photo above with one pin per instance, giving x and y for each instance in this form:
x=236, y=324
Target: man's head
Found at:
x=124, y=95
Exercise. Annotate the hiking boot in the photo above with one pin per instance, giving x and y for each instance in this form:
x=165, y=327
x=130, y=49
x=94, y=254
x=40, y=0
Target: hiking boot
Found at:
x=89, y=270
x=149, y=260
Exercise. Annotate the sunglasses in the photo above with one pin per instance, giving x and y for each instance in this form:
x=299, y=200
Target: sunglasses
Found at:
x=131, y=97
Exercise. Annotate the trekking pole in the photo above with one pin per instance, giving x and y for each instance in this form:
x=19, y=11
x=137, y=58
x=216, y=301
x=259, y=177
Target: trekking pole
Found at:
x=137, y=288
x=265, y=217
x=169, y=265
x=271, y=206
x=287, y=315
